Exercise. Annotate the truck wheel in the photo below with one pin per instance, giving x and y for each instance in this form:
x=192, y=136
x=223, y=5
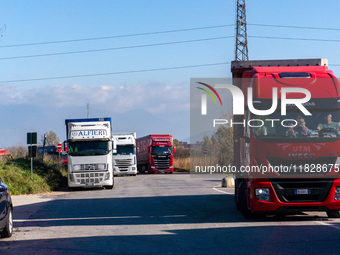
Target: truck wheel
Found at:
x=333, y=214
x=109, y=187
x=8, y=230
x=243, y=206
x=73, y=189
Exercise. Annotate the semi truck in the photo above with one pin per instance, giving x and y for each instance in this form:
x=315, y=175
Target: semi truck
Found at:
x=288, y=160
x=90, y=152
x=54, y=150
x=124, y=159
x=155, y=154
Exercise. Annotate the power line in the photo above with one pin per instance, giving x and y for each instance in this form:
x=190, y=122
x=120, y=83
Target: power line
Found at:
x=116, y=48
x=294, y=38
x=166, y=43
x=298, y=27
x=160, y=32
x=122, y=72
x=116, y=36
x=115, y=73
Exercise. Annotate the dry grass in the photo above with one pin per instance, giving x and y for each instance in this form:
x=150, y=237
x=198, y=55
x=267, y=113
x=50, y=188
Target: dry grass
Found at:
x=182, y=164
x=203, y=161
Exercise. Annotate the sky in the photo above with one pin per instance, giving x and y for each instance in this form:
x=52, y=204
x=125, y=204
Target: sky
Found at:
x=127, y=58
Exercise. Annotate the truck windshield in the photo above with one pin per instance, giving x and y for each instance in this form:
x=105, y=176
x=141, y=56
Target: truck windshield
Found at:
x=162, y=150
x=88, y=148
x=325, y=124
x=125, y=150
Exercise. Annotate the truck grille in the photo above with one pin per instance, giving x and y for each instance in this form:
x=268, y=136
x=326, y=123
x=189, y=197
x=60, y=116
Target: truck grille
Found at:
x=89, y=178
x=286, y=190
x=162, y=163
x=297, y=167
x=123, y=163
x=90, y=167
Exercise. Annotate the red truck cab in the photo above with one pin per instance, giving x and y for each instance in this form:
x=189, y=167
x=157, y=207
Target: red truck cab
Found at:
x=155, y=154
x=288, y=163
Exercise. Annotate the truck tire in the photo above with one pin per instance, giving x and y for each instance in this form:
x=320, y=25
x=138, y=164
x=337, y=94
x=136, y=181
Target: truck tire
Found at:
x=8, y=230
x=243, y=205
x=110, y=186
x=333, y=214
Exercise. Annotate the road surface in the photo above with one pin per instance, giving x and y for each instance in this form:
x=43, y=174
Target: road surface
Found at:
x=160, y=214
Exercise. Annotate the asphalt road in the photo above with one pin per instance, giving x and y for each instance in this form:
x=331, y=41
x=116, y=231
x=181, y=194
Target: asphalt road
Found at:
x=160, y=214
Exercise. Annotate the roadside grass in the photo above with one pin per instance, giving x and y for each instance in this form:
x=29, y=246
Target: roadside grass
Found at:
x=182, y=164
x=47, y=176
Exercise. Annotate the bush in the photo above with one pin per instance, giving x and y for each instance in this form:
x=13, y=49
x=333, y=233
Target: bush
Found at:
x=18, y=151
x=47, y=176
x=19, y=181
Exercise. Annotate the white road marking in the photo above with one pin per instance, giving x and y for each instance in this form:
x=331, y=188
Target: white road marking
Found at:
x=87, y=218
x=328, y=225
x=225, y=192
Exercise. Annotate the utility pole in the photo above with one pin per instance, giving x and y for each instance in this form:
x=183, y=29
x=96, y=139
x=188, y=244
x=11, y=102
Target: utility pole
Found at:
x=241, y=44
x=88, y=110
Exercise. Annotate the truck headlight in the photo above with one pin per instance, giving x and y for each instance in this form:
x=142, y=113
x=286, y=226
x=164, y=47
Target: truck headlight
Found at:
x=107, y=176
x=133, y=168
x=263, y=194
x=337, y=193
x=153, y=167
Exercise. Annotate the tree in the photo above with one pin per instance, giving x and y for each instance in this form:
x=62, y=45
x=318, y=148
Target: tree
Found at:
x=223, y=141
x=51, y=139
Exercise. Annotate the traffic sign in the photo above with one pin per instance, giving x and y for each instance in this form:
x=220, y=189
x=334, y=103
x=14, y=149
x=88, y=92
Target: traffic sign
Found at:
x=205, y=151
x=32, y=138
x=32, y=151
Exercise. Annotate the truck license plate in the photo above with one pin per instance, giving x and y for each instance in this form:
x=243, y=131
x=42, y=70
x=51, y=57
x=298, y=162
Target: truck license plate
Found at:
x=301, y=191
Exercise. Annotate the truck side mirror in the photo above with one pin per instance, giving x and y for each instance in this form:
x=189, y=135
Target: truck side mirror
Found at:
x=64, y=146
x=174, y=149
x=114, y=147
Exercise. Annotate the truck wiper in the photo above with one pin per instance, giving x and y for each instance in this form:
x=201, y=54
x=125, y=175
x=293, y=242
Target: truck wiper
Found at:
x=280, y=136
x=100, y=153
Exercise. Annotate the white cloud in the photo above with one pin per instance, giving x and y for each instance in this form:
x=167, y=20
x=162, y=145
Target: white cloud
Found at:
x=154, y=97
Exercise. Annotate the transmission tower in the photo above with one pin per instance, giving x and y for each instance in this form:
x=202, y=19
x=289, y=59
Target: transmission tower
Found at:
x=241, y=45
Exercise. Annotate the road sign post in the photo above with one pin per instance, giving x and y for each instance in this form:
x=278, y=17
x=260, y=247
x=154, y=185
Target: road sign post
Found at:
x=32, y=149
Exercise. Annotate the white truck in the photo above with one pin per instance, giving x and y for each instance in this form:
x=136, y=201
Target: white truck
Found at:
x=124, y=159
x=90, y=152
